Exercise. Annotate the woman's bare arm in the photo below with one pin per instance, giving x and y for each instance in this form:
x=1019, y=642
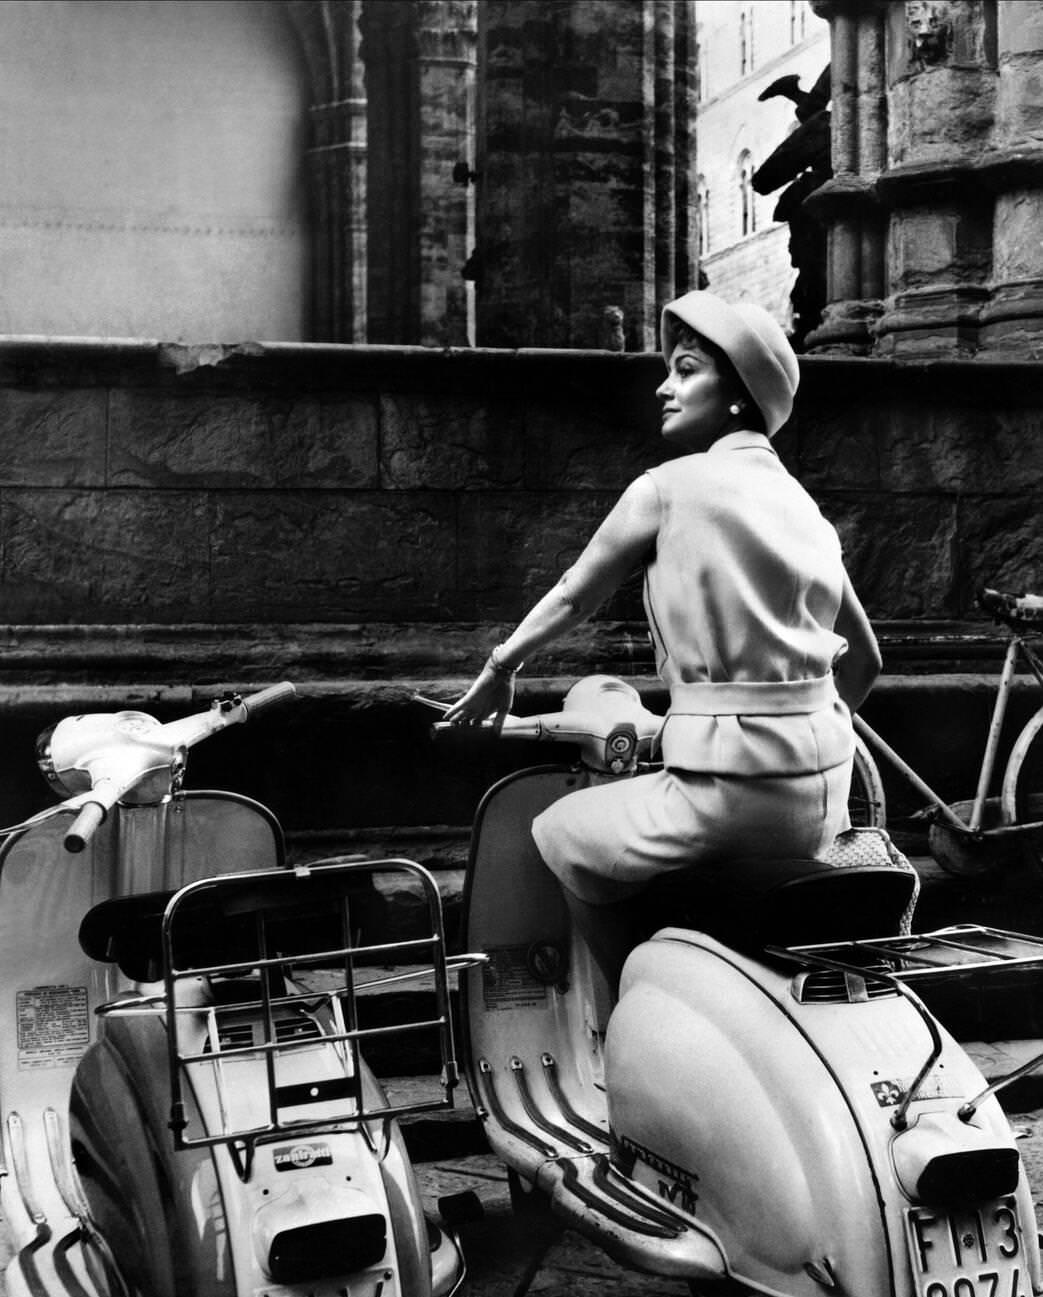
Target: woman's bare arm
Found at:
x=857, y=670
x=618, y=546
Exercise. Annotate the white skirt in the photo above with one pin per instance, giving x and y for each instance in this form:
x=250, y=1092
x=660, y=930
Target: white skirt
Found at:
x=605, y=843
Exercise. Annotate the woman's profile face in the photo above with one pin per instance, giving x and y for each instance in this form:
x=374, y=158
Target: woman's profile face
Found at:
x=696, y=394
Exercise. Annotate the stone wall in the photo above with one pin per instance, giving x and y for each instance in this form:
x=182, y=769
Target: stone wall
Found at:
x=367, y=521
x=757, y=269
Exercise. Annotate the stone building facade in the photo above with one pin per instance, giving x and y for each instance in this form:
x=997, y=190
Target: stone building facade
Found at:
x=746, y=49
x=338, y=170
x=934, y=209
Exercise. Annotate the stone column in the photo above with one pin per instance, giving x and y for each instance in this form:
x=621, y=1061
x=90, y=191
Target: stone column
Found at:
x=585, y=170
x=336, y=167
x=847, y=204
x=419, y=58
x=1012, y=322
x=942, y=91
x=446, y=63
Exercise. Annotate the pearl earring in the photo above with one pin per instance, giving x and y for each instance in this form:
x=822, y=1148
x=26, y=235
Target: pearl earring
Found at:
x=735, y=409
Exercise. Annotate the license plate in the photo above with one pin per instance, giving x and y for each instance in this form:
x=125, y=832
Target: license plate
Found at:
x=977, y=1252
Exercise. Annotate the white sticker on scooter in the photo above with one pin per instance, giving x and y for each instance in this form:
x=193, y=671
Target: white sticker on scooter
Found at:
x=889, y=1094
x=53, y=1025
x=508, y=981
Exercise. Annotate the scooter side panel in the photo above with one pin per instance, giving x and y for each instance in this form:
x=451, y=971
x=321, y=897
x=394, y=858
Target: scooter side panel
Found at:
x=160, y=1211
x=767, y=1119
x=738, y=1122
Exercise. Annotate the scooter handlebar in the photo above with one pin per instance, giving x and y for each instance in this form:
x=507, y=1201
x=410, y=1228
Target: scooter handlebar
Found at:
x=84, y=825
x=190, y=730
x=130, y=756
x=609, y=741
x=270, y=697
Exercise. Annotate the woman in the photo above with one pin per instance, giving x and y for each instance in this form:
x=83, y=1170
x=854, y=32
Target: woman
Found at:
x=758, y=633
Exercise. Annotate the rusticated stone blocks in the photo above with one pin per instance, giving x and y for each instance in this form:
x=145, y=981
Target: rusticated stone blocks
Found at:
x=355, y=486
x=368, y=521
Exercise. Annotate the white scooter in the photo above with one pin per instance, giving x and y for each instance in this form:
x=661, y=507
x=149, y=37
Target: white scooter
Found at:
x=768, y=1108
x=186, y=1111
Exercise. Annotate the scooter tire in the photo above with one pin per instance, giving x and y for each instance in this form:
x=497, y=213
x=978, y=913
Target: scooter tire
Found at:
x=526, y=1200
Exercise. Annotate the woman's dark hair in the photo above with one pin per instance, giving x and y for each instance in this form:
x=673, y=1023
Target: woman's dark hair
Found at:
x=689, y=337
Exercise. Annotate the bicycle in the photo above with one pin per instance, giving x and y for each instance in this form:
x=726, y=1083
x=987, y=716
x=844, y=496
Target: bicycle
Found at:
x=977, y=837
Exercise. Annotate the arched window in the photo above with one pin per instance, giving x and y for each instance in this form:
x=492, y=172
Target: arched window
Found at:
x=747, y=205
x=702, y=198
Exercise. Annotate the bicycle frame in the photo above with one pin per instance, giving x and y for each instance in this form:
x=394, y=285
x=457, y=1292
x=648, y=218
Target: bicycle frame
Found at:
x=1017, y=645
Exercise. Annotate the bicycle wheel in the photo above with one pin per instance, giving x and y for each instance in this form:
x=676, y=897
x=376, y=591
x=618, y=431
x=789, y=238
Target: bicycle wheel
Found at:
x=1021, y=798
x=866, y=803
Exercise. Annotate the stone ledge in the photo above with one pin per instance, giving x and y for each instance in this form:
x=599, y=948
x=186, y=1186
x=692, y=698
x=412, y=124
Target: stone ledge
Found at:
x=195, y=654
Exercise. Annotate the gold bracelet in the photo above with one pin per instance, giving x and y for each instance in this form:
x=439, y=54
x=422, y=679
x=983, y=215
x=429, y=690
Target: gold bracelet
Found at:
x=499, y=668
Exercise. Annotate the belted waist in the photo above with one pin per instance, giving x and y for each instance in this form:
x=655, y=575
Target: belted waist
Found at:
x=752, y=697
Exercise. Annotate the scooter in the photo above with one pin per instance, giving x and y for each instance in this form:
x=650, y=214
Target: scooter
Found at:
x=768, y=1106
x=186, y=1109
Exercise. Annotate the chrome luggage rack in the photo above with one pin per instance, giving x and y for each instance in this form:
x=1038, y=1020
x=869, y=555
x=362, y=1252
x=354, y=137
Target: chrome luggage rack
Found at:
x=958, y=951
x=280, y=956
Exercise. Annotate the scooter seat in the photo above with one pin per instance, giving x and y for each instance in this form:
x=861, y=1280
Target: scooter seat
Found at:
x=751, y=904
x=128, y=931
x=221, y=927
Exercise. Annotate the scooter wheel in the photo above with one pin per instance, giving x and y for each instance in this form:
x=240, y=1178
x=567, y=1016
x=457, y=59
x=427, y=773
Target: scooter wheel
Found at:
x=526, y=1199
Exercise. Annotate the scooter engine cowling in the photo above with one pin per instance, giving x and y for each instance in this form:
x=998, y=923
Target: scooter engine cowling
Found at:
x=723, y=1104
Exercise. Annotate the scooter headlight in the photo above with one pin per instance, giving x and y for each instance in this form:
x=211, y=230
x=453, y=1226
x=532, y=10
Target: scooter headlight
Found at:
x=66, y=783
x=67, y=751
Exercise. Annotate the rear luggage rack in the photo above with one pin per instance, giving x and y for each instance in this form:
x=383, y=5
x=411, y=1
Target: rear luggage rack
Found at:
x=285, y=943
x=957, y=952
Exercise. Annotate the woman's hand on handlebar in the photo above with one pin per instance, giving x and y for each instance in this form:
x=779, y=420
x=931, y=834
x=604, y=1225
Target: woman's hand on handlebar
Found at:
x=491, y=695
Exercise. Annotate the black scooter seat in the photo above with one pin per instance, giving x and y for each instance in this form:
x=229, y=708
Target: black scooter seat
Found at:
x=753, y=903
x=225, y=925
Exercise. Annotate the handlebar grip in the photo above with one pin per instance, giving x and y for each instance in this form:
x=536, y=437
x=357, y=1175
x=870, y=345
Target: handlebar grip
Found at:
x=270, y=697
x=83, y=826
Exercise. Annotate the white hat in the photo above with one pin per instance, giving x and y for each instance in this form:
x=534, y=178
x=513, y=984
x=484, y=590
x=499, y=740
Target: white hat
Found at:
x=751, y=339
